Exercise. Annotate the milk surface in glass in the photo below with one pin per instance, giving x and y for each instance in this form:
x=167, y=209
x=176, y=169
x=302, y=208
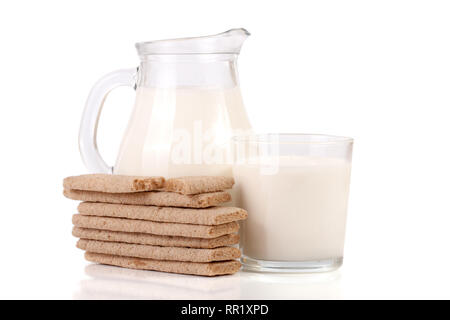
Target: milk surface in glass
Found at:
x=296, y=214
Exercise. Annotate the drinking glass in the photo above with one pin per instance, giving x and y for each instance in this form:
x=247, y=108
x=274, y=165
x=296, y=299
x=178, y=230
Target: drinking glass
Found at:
x=295, y=188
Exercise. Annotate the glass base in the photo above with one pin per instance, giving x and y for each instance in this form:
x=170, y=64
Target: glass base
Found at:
x=250, y=264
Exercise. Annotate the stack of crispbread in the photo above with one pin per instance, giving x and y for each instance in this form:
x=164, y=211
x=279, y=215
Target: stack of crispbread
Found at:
x=150, y=223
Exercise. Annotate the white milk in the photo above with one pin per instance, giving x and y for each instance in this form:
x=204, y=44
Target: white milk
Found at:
x=298, y=214
x=181, y=131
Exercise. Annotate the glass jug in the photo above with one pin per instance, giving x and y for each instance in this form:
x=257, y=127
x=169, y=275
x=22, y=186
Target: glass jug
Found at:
x=188, y=105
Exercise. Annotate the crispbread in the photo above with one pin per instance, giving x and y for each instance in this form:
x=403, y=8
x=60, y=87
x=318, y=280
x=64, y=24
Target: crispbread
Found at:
x=154, y=198
x=209, y=216
x=155, y=240
x=195, y=268
x=159, y=228
x=200, y=184
x=113, y=183
x=159, y=253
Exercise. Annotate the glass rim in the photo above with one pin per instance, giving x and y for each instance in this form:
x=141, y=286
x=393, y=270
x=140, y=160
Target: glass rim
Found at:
x=294, y=138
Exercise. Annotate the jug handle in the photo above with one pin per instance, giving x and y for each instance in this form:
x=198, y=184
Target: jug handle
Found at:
x=87, y=138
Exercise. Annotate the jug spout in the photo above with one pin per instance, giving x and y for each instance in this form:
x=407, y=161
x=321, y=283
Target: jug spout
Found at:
x=229, y=42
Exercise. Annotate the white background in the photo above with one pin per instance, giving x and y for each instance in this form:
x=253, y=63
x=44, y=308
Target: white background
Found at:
x=378, y=71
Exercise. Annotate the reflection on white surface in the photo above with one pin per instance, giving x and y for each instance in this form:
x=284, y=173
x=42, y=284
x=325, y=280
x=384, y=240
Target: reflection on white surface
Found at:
x=291, y=286
x=107, y=282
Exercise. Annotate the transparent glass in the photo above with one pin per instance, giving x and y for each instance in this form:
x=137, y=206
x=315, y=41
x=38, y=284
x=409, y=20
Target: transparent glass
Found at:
x=188, y=106
x=295, y=188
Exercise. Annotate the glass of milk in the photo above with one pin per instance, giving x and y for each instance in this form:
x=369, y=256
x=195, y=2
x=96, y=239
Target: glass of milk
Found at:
x=295, y=188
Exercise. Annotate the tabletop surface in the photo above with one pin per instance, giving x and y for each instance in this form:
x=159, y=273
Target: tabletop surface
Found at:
x=73, y=278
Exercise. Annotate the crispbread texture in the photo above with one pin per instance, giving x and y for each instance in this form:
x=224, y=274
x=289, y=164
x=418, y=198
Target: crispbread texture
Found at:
x=200, y=184
x=155, y=240
x=159, y=253
x=113, y=183
x=208, y=216
x=152, y=198
x=159, y=228
x=183, y=267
